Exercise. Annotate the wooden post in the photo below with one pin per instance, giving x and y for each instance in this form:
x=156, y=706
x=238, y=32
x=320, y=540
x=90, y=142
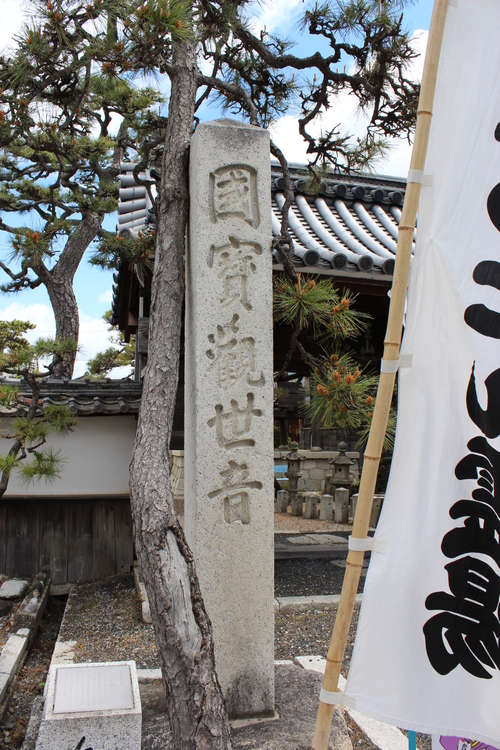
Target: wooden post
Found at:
x=386, y=383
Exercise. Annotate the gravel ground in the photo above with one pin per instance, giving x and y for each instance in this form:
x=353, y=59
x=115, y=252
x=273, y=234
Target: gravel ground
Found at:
x=300, y=577
x=31, y=679
x=287, y=522
x=105, y=620
x=306, y=633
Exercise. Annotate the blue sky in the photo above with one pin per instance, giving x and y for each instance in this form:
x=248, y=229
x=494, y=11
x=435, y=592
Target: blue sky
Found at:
x=93, y=287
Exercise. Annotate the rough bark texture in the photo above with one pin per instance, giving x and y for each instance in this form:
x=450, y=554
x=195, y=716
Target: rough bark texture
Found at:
x=183, y=631
x=59, y=284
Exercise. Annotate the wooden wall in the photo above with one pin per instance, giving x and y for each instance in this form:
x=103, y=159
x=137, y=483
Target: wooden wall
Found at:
x=81, y=540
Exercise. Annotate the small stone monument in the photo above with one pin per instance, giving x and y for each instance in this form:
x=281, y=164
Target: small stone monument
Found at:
x=229, y=443
x=326, y=508
x=376, y=508
x=91, y=706
x=341, y=505
x=282, y=501
x=311, y=510
x=354, y=503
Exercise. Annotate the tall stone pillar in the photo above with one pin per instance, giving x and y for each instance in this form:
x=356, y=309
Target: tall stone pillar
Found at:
x=228, y=454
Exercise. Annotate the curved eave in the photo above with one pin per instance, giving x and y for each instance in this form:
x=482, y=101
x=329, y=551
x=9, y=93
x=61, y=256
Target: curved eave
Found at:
x=84, y=398
x=347, y=229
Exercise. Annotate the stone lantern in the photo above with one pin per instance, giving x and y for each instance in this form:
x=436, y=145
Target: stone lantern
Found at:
x=340, y=476
x=293, y=474
x=339, y=483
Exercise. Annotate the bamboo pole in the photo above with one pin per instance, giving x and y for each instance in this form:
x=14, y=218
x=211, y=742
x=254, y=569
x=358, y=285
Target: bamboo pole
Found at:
x=386, y=384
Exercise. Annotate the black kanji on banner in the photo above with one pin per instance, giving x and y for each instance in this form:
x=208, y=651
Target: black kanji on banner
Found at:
x=466, y=631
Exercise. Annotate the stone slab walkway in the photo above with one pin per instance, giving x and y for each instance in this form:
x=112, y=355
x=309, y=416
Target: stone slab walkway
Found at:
x=312, y=545
x=296, y=703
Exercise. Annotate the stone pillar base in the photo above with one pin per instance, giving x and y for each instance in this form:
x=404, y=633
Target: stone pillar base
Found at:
x=341, y=505
x=282, y=501
x=311, y=505
x=326, y=508
x=297, y=505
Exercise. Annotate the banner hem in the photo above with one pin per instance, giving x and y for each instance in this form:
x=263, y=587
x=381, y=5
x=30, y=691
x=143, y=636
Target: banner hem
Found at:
x=421, y=728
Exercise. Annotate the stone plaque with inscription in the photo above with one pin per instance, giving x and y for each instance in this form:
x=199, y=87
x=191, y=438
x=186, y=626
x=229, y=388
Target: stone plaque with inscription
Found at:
x=94, y=706
x=93, y=688
x=229, y=404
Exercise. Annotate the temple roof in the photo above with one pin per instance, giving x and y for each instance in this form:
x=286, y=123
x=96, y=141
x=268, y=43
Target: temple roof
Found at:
x=346, y=228
x=350, y=224
x=84, y=397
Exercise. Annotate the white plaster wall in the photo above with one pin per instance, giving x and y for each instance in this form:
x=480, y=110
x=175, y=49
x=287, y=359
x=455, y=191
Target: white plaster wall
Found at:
x=97, y=457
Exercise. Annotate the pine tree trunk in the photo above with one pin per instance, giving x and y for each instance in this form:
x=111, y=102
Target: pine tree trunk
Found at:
x=183, y=631
x=59, y=284
x=65, y=308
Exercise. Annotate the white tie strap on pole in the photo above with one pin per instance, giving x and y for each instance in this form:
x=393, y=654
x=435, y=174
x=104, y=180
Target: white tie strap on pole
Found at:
x=338, y=698
x=333, y=699
x=368, y=544
x=390, y=366
x=418, y=176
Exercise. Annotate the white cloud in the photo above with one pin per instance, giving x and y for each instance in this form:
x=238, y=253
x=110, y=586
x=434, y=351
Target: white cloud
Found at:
x=94, y=334
x=106, y=296
x=13, y=15
x=114, y=125
x=39, y=314
x=273, y=16
x=94, y=338
x=419, y=43
x=345, y=113
x=120, y=372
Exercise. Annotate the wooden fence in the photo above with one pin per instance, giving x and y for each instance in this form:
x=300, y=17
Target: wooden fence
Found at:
x=80, y=539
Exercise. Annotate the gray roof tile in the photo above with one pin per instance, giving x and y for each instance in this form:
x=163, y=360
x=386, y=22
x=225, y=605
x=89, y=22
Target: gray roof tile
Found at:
x=85, y=397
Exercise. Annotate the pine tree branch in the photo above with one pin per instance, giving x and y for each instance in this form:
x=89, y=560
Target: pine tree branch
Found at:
x=293, y=345
x=284, y=244
x=75, y=247
x=209, y=88
x=237, y=91
x=291, y=61
x=18, y=448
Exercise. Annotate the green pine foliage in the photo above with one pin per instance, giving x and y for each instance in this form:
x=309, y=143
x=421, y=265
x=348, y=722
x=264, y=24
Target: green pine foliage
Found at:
x=136, y=250
x=59, y=418
x=26, y=424
x=45, y=465
x=121, y=354
x=341, y=395
x=63, y=92
x=315, y=304
x=11, y=334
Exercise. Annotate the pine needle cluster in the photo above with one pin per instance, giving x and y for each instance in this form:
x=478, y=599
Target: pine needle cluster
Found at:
x=317, y=305
x=27, y=424
x=121, y=354
x=340, y=394
x=62, y=91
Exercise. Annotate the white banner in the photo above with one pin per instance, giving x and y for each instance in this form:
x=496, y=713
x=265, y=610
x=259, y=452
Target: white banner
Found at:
x=427, y=653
